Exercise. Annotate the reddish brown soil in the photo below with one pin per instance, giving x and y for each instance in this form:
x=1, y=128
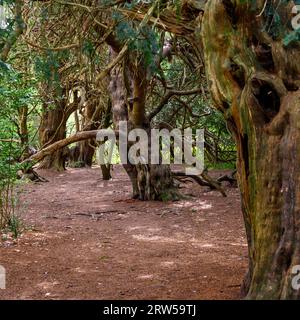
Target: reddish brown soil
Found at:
x=89, y=240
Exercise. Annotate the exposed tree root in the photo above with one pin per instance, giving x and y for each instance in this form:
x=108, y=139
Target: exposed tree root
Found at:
x=231, y=179
x=31, y=175
x=203, y=180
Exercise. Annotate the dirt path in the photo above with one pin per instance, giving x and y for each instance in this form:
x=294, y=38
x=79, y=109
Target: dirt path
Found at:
x=90, y=241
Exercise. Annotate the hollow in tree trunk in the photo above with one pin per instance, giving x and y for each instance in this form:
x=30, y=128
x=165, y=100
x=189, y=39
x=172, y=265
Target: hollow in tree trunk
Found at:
x=254, y=70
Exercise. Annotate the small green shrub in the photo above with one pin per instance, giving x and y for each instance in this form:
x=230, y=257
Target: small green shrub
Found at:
x=15, y=226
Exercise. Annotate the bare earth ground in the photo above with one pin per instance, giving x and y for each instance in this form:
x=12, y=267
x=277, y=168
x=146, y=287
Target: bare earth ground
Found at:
x=89, y=240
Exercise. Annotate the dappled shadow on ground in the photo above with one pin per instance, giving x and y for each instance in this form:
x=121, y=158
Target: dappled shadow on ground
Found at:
x=89, y=240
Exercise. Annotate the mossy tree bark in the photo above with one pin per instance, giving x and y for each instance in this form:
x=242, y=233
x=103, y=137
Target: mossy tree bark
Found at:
x=53, y=129
x=23, y=132
x=255, y=80
x=128, y=87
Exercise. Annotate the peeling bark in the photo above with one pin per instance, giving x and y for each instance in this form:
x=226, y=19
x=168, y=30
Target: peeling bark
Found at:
x=128, y=94
x=254, y=80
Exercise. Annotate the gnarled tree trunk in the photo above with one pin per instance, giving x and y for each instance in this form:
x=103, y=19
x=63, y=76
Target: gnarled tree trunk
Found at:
x=23, y=132
x=53, y=129
x=91, y=121
x=255, y=80
x=149, y=181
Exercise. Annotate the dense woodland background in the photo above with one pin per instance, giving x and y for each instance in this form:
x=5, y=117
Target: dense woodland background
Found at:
x=228, y=67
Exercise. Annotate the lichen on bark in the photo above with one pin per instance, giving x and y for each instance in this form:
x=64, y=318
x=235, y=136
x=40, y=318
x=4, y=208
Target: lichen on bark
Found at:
x=254, y=80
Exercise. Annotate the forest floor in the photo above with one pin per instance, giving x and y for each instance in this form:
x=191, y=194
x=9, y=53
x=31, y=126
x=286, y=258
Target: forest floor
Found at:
x=86, y=239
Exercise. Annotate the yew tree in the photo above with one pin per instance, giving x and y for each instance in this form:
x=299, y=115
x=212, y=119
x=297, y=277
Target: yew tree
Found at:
x=252, y=57
x=128, y=87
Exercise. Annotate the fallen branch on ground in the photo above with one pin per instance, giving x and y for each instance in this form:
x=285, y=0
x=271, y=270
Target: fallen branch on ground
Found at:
x=79, y=136
x=31, y=175
x=203, y=180
x=230, y=179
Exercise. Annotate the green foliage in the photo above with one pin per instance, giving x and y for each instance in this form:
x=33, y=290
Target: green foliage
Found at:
x=88, y=48
x=15, y=226
x=15, y=93
x=291, y=37
x=8, y=150
x=141, y=40
x=9, y=21
x=76, y=164
x=220, y=165
x=10, y=101
x=178, y=6
x=166, y=196
x=196, y=112
x=273, y=24
x=47, y=68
